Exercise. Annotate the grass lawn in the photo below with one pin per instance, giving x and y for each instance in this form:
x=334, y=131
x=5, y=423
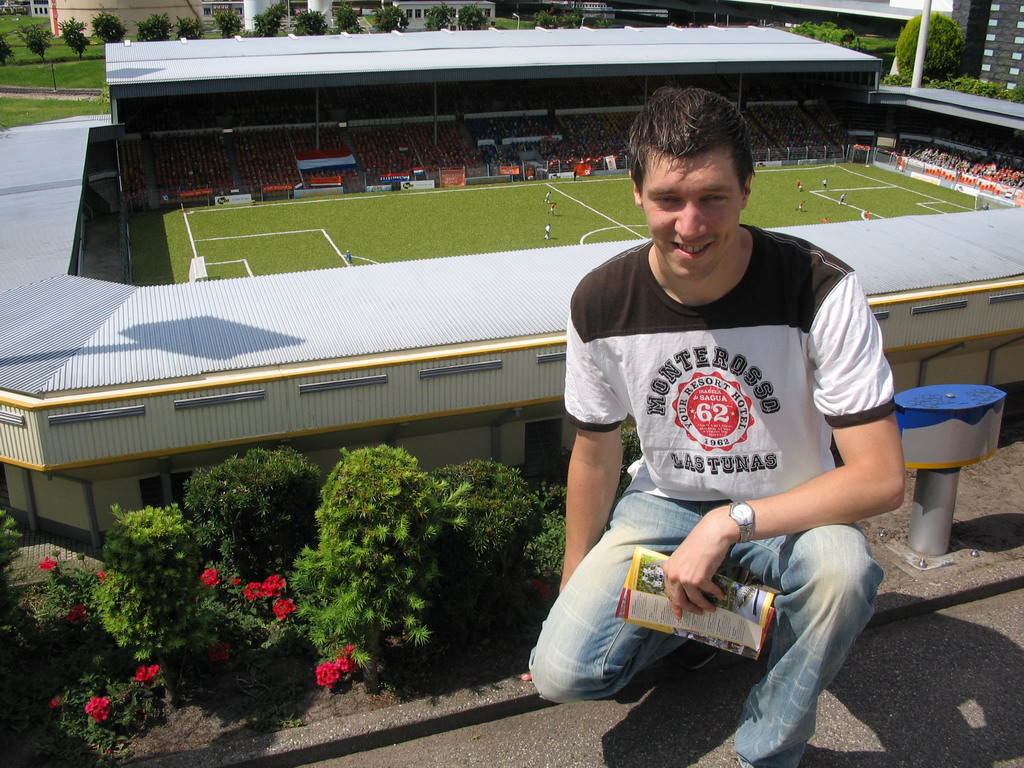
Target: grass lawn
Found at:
x=270, y=238
x=15, y=110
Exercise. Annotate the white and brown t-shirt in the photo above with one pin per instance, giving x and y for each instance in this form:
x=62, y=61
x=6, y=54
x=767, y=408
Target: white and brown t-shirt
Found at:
x=735, y=399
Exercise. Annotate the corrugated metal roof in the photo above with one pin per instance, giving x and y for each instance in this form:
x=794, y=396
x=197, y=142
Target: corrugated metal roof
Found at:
x=160, y=68
x=967, y=106
x=41, y=179
x=914, y=252
x=178, y=331
x=45, y=324
x=123, y=335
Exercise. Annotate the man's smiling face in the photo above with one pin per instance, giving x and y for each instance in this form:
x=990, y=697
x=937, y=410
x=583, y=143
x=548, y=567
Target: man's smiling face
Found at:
x=693, y=208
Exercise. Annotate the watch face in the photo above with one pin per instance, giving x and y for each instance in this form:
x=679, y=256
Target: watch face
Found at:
x=742, y=514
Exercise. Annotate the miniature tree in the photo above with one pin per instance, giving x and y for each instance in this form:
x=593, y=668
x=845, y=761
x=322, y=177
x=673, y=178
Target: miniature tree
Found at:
x=228, y=22
x=190, y=28
x=441, y=16
x=149, y=598
x=37, y=39
x=945, y=47
x=310, y=23
x=255, y=513
x=73, y=34
x=154, y=28
x=346, y=20
x=108, y=27
x=375, y=563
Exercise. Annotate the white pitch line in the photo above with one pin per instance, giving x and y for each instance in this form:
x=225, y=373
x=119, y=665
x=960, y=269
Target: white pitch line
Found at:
x=188, y=228
x=602, y=215
x=243, y=262
x=260, y=234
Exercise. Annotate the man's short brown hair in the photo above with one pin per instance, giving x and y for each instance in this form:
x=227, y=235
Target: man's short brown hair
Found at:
x=685, y=122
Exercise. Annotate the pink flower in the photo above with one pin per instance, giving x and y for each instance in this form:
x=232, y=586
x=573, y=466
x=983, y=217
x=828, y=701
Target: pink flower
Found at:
x=272, y=586
x=283, y=607
x=220, y=651
x=327, y=674
x=210, y=577
x=48, y=564
x=253, y=590
x=146, y=675
x=102, y=576
x=98, y=708
x=77, y=614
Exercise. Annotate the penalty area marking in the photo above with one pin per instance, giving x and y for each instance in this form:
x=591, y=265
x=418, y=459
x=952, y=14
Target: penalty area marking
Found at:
x=243, y=262
x=323, y=232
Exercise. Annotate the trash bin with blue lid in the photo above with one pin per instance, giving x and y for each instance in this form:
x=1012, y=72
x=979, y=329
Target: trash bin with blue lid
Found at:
x=944, y=427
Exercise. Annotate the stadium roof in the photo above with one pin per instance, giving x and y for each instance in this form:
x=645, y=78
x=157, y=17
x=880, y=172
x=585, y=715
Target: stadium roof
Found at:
x=125, y=335
x=1009, y=114
x=248, y=64
x=41, y=180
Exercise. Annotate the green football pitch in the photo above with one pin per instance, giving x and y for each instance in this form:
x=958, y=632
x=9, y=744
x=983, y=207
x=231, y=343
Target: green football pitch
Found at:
x=308, y=234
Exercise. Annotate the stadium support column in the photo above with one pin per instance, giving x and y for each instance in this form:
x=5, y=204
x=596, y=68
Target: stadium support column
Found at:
x=324, y=7
x=922, y=45
x=251, y=9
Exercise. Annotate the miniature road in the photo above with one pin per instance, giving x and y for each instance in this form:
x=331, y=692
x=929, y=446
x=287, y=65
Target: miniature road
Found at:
x=942, y=689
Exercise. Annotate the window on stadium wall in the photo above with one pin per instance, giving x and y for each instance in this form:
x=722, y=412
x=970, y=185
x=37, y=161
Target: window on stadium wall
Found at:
x=151, y=490
x=543, y=448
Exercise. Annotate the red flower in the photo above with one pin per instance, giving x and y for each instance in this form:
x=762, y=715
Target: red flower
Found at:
x=210, y=577
x=236, y=581
x=253, y=590
x=345, y=661
x=283, y=607
x=55, y=702
x=101, y=575
x=272, y=586
x=220, y=651
x=77, y=614
x=327, y=674
x=98, y=708
x=48, y=564
x=541, y=589
x=146, y=675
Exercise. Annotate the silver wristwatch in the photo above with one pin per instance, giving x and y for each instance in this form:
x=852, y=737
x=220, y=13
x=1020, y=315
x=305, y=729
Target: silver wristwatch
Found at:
x=743, y=514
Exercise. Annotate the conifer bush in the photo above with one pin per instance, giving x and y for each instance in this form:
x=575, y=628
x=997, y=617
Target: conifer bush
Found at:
x=371, y=573
x=484, y=591
x=150, y=595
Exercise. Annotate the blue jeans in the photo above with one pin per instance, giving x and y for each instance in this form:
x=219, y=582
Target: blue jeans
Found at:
x=826, y=581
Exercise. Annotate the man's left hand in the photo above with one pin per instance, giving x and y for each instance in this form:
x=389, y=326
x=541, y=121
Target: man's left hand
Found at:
x=689, y=571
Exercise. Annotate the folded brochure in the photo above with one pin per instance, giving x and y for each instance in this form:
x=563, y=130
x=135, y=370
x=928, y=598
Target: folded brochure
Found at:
x=740, y=625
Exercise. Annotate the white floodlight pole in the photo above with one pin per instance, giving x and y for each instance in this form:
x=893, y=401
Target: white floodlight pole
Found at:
x=922, y=45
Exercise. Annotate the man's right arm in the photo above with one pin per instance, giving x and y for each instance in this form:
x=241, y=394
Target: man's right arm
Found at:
x=594, y=470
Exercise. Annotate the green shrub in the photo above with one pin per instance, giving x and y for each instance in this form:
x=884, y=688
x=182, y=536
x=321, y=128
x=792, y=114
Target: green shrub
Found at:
x=108, y=27
x=255, y=513
x=944, y=51
x=483, y=590
x=375, y=562
x=156, y=27
x=9, y=539
x=150, y=596
x=546, y=551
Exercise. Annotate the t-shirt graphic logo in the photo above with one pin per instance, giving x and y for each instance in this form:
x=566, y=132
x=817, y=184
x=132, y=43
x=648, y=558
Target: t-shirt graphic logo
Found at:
x=713, y=411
